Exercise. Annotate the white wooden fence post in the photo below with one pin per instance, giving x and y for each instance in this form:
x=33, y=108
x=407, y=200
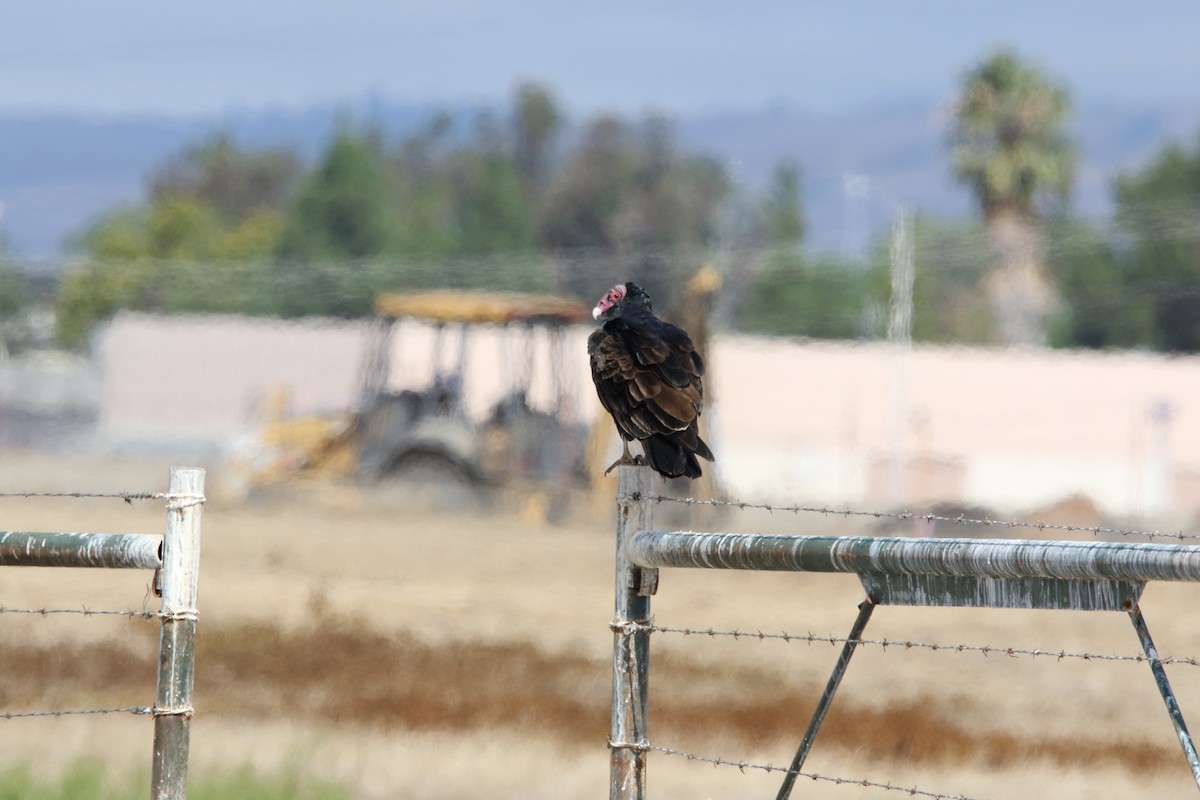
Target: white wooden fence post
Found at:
x=177, y=644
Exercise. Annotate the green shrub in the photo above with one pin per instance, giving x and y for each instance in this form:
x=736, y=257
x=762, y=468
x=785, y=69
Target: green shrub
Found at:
x=88, y=779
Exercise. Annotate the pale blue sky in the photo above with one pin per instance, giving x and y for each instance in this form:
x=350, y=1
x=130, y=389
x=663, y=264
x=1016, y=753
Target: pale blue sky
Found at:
x=137, y=56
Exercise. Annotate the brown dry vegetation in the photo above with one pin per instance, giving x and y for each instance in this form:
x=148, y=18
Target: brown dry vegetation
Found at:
x=422, y=656
x=339, y=672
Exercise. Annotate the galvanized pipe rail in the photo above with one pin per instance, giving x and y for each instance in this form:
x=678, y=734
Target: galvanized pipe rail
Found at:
x=979, y=558
x=991, y=573
x=175, y=558
x=110, y=550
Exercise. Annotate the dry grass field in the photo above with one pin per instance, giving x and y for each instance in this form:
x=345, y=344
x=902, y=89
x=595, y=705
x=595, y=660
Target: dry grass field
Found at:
x=422, y=656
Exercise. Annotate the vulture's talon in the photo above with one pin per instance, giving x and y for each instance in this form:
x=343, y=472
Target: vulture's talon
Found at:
x=625, y=459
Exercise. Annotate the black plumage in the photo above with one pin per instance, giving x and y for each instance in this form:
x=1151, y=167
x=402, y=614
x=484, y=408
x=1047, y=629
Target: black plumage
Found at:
x=649, y=378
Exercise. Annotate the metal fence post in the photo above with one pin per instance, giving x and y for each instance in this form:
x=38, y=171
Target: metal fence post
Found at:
x=631, y=640
x=1164, y=688
x=177, y=643
x=839, y=670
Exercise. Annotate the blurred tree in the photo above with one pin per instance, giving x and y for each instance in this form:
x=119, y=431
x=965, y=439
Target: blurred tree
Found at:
x=173, y=227
x=118, y=235
x=951, y=261
x=253, y=237
x=14, y=290
x=536, y=124
x=665, y=220
x=793, y=294
x=783, y=211
x=234, y=183
x=214, y=201
x=200, y=242
x=1010, y=147
x=174, y=256
x=343, y=209
x=94, y=291
x=178, y=227
x=501, y=205
x=798, y=296
x=419, y=184
x=1158, y=211
x=1098, y=310
x=635, y=205
x=16, y=300
x=491, y=214
x=587, y=191
x=787, y=292
x=343, y=218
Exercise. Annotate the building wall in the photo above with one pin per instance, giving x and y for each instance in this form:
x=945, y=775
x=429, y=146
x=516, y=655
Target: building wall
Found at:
x=790, y=421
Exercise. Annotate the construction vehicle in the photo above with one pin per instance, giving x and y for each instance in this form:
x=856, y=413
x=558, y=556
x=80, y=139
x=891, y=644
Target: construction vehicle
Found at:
x=425, y=429
x=419, y=432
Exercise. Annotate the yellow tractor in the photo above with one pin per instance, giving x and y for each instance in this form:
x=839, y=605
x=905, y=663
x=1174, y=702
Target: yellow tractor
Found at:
x=418, y=432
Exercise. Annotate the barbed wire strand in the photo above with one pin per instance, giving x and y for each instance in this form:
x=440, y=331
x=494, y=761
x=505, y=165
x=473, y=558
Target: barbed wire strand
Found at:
x=145, y=711
x=184, y=499
x=914, y=516
x=86, y=612
x=138, y=710
x=982, y=649
x=912, y=791
x=166, y=613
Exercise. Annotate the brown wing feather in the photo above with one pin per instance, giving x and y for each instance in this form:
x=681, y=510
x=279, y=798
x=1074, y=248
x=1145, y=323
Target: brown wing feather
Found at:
x=650, y=388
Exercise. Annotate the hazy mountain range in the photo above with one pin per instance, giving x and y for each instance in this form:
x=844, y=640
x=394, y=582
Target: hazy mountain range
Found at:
x=58, y=171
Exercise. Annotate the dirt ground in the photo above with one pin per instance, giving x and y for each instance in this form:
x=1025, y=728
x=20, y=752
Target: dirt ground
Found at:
x=422, y=655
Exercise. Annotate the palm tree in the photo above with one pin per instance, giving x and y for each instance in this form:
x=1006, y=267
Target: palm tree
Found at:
x=1009, y=145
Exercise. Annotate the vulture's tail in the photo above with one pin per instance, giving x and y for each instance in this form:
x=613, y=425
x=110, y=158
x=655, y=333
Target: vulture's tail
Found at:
x=671, y=458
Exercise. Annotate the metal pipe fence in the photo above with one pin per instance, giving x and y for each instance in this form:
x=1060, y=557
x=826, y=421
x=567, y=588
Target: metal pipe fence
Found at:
x=980, y=573
x=175, y=558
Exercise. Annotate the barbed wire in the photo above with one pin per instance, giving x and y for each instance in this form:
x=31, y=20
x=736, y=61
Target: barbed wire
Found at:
x=912, y=791
x=86, y=612
x=138, y=710
x=145, y=711
x=165, y=614
x=982, y=649
x=743, y=505
x=128, y=497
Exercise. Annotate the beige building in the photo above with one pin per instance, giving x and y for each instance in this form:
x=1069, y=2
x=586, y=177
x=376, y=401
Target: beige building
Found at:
x=834, y=423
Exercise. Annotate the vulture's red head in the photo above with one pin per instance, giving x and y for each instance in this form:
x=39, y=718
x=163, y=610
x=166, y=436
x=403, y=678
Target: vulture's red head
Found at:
x=618, y=298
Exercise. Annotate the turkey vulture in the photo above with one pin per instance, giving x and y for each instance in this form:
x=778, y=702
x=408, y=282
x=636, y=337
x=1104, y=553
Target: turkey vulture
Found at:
x=647, y=374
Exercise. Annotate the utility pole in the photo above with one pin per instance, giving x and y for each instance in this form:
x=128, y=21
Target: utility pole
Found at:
x=900, y=337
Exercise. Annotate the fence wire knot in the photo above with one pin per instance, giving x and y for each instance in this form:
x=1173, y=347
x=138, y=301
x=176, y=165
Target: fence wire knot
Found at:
x=178, y=502
x=173, y=615
x=630, y=627
x=175, y=711
x=639, y=747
